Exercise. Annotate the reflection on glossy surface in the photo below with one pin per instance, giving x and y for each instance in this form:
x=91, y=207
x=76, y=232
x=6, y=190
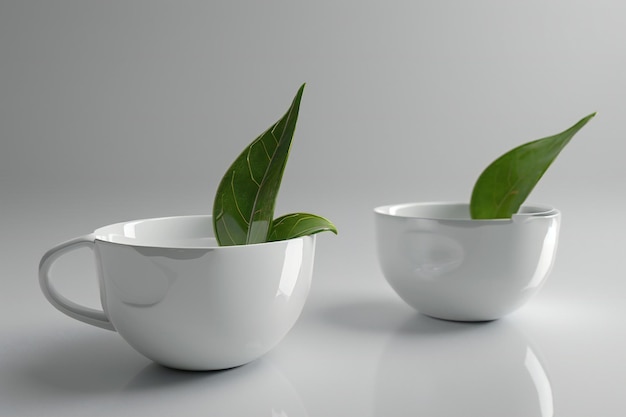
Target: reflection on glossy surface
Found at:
x=542, y=383
x=544, y=264
x=431, y=255
x=78, y=373
x=257, y=388
x=291, y=268
x=438, y=368
x=139, y=279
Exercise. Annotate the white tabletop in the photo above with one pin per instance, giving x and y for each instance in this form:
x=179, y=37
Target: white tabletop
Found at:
x=357, y=349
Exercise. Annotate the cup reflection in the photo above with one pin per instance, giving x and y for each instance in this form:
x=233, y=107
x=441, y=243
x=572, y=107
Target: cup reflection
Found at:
x=257, y=388
x=435, y=368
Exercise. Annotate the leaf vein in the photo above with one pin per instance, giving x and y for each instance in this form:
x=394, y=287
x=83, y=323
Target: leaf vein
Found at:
x=232, y=188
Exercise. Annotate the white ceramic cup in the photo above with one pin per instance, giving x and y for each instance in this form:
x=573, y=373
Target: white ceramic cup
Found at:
x=183, y=301
x=449, y=266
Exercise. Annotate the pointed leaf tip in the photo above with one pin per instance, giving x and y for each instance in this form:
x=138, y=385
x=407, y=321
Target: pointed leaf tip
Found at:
x=243, y=208
x=506, y=183
x=296, y=225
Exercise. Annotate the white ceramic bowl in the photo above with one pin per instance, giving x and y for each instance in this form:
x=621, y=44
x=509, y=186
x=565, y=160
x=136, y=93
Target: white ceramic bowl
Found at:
x=183, y=301
x=449, y=266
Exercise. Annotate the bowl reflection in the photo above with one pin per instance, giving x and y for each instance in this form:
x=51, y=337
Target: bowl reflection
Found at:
x=435, y=368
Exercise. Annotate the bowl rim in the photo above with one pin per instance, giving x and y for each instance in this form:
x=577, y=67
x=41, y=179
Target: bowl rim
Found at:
x=100, y=235
x=526, y=211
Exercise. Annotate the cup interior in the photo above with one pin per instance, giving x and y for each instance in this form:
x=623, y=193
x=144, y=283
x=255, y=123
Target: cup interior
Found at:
x=451, y=211
x=175, y=232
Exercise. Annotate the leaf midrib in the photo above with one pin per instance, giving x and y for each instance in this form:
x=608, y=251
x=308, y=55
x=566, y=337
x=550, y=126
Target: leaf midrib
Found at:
x=267, y=171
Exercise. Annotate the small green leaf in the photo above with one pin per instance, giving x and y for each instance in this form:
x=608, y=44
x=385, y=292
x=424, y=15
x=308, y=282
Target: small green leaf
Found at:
x=295, y=225
x=504, y=186
x=243, y=208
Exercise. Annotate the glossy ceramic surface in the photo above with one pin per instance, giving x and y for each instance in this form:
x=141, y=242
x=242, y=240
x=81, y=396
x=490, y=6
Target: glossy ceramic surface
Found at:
x=356, y=349
x=183, y=301
x=448, y=266
x=462, y=369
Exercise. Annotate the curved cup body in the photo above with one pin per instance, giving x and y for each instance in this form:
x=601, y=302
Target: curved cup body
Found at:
x=183, y=301
x=448, y=266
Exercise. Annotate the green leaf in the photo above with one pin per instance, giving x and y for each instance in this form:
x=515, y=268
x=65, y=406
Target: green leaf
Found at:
x=504, y=186
x=243, y=208
x=295, y=225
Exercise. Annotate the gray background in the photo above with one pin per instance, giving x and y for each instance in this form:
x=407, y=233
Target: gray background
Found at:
x=112, y=110
x=118, y=110
x=112, y=98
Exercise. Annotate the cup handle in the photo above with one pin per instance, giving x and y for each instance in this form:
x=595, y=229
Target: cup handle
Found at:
x=85, y=314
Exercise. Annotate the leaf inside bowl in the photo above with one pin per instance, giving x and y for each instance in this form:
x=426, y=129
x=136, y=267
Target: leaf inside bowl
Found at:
x=295, y=225
x=505, y=184
x=243, y=209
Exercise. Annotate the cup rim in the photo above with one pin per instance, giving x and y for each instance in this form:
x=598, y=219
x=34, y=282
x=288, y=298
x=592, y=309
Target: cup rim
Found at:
x=100, y=232
x=526, y=211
